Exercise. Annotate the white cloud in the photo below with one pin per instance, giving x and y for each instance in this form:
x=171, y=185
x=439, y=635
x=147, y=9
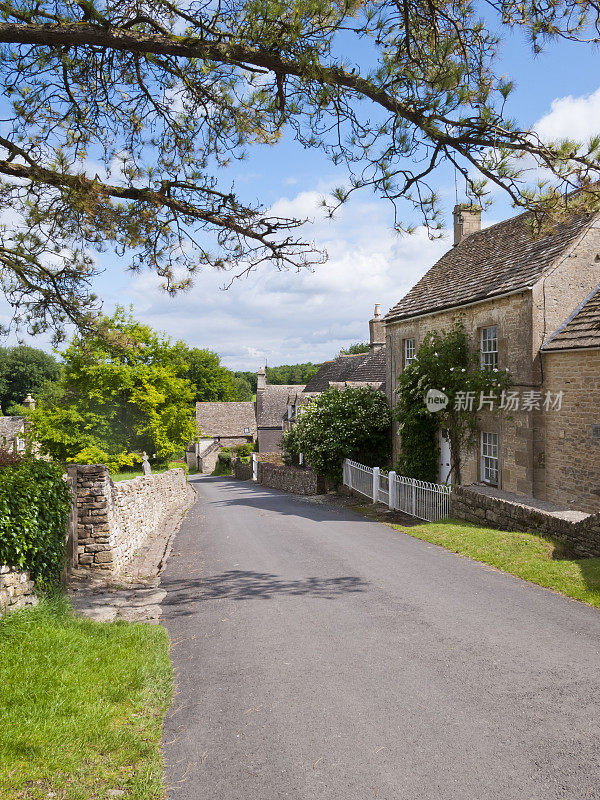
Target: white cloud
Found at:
x=571, y=117
x=290, y=317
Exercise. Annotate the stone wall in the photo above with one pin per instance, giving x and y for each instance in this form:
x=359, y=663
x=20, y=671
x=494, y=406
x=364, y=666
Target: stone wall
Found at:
x=512, y=316
x=496, y=509
x=572, y=434
x=114, y=519
x=295, y=480
x=16, y=590
x=241, y=471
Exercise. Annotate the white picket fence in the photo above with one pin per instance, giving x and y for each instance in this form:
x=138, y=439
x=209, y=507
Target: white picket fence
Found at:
x=428, y=501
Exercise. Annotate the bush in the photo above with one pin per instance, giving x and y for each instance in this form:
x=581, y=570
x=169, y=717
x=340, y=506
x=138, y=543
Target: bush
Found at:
x=224, y=457
x=339, y=424
x=34, y=505
x=245, y=450
x=9, y=459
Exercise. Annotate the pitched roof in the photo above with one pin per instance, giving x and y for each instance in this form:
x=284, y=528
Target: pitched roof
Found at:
x=503, y=258
x=581, y=328
x=226, y=419
x=272, y=402
x=360, y=368
x=10, y=427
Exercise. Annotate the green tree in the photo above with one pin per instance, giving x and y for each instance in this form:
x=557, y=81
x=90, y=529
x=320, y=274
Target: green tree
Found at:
x=356, y=349
x=211, y=380
x=339, y=424
x=243, y=388
x=163, y=95
x=445, y=362
x=299, y=374
x=24, y=369
x=121, y=394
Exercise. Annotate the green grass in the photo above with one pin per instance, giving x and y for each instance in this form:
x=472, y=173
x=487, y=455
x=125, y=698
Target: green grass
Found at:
x=135, y=473
x=525, y=555
x=81, y=706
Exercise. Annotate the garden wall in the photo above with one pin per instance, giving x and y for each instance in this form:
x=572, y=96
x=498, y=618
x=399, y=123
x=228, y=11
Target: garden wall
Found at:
x=16, y=590
x=295, y=480
x=114, y=519
x=241, y=471
x=579, y=531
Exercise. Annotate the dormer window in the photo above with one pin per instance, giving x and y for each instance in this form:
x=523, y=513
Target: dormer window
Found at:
x=409, y=351
x=489, y=348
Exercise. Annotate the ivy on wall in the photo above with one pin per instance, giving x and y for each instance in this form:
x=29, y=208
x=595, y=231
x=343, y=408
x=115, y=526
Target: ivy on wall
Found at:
x=446, y=363
x=34, y=504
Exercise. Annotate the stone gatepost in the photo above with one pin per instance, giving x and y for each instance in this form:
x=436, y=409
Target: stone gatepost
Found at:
x=93, y=531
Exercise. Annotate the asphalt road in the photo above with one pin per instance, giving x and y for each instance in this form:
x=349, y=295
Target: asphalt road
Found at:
x=320, y=656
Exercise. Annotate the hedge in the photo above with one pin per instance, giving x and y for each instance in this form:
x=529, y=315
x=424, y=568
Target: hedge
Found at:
x=34, y=505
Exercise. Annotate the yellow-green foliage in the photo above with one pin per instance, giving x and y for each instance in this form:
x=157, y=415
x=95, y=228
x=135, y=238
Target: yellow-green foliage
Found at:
x=121, y=394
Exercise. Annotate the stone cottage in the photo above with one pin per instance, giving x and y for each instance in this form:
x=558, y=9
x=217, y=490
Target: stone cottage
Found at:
x=361, y=369
x=571, y=364
x=220, y=424
x=529, y=304
x=272, y=403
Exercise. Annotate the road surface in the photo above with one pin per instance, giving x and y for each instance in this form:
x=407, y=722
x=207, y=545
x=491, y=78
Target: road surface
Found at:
x=320, y=656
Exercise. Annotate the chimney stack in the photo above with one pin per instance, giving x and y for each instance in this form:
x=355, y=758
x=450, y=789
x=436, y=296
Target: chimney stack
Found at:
x=261, y=380
x=29, y=402
x=377, y=329
x=467, y=220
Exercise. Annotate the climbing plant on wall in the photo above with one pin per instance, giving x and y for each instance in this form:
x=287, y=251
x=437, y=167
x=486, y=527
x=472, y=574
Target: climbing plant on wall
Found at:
x=446, y=363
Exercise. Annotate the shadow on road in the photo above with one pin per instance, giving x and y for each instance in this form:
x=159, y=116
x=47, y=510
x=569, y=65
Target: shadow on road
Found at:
x=238, y=584
x=253, y=495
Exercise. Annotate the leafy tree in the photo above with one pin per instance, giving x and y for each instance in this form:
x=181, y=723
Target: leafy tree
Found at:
x=211, y=381
x=291, y=373
x=243, y=388
x=339, y=424
x=120, y=117
x=24, y=369
x=356, y=349
x=121, y=393
x=248, y=378
x=445, y=362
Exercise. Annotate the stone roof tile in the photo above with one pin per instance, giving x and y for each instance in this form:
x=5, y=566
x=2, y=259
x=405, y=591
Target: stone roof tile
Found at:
x=500, y=259
x=581, y=329
x=226, y=419
x=367, y=368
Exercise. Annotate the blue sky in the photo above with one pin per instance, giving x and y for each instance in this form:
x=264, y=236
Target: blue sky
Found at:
x=288, y=317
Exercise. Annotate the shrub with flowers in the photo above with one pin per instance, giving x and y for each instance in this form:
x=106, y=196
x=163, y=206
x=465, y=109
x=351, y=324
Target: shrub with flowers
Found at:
x=338, y=424
x=446, y=363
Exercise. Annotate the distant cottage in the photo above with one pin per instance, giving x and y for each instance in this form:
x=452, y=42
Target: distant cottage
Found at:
x=226, y=424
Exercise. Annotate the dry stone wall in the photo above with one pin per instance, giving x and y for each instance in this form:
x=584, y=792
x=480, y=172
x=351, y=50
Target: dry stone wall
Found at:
x=16, y=590
x=114, y=519
x=295, y=480
x=580, y=532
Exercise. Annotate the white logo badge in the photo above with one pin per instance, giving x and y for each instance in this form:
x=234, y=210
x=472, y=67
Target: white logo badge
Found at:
x=436, y=400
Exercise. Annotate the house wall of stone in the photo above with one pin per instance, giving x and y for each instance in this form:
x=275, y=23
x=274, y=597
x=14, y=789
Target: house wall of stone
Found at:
x=114, y=519
x=554, y=298
x=511, y=314
x=572, y=456
x=16, y=590
x=269, y=440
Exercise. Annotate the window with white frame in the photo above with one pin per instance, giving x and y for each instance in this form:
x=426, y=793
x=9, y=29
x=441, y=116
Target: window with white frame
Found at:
x=489, y=347
x=409, y=351
x=490, y=458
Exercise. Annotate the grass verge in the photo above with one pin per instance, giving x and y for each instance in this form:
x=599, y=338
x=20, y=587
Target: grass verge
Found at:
x=526, y=555
x=81, y=706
